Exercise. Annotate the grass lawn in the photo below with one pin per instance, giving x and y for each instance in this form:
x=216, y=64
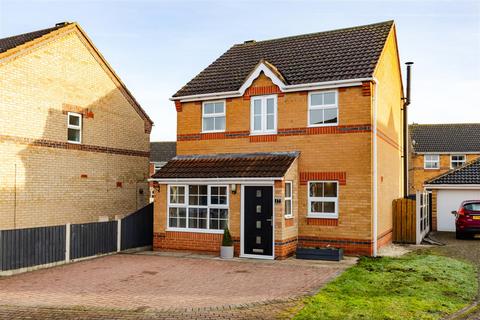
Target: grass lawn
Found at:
x=415, y=286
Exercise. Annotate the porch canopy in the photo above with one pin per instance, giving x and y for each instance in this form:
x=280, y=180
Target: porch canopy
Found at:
x=247, y=166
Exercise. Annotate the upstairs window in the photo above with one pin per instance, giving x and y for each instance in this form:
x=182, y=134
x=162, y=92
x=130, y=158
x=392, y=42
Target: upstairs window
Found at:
x=263, y=115
x=74, y=127
x=322, y=108
x=213, y=116
x=432, y=161
x=457, y=160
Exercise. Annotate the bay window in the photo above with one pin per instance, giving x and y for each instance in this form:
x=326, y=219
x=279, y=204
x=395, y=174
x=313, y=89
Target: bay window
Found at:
x=198, y=207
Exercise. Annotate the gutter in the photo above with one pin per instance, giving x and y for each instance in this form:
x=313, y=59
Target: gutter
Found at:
x=453, y=186
x=284, y=88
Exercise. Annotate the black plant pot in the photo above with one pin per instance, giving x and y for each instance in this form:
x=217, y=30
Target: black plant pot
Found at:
x=330, y=254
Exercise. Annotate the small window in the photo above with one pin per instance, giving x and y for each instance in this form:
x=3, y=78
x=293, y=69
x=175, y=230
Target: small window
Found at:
x=74, y=127
x=213, y=116
x=263, y=115
x=457, y=160
x=288, y=199
x=432, y=161
x=323, y=199
x=157, y=166
x=322, y=108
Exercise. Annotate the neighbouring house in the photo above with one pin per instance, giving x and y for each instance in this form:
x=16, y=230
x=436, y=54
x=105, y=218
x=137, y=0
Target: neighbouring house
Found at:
x=438, y=148
x=450, y=189
x=160, y=153
x=291, y=142
x=74, y=142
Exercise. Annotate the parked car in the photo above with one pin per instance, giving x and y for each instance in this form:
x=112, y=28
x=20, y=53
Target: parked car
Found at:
x=467, y=221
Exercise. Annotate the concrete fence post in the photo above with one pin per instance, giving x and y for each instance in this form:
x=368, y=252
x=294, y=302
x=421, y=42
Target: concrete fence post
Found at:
x=67, y=241
x=119, y=235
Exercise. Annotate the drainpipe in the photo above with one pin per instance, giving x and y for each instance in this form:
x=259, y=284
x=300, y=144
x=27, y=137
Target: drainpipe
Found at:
x=375, y=174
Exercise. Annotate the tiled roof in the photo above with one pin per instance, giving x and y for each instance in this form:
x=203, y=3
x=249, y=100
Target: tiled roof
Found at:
x=467, y=174
x=342, y=54
x=15, y=41
x=162, y=151
x=459, y=137
x=253, y=165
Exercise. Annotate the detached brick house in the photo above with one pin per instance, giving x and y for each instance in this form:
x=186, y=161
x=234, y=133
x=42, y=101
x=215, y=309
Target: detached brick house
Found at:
x=439, y=157
x=289, y=142
x=74, y=142
x=438, y=148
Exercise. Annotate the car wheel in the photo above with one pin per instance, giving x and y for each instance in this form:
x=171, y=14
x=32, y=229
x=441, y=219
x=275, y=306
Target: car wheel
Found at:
x=460, y=235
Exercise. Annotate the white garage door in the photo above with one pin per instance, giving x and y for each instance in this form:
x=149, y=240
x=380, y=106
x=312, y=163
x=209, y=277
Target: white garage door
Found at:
x=448, y=201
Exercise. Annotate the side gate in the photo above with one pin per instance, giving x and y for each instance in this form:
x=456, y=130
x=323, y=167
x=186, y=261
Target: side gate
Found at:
x=137, y=229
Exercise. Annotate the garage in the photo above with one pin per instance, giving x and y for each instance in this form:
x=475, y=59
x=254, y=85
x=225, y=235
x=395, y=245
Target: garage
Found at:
x=449, y=200
x=451, y=189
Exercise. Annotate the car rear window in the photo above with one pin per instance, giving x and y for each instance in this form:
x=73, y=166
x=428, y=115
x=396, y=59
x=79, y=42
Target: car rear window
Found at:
x=473, y=206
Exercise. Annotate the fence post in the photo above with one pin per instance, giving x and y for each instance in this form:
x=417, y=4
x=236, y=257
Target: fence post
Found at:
x=67, y=242
x=119, y=235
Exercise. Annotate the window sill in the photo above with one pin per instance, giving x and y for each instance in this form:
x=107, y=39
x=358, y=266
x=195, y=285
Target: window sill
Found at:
x=288, y=217
x=322, y=125
x=310, y=216
x=191, y=230
x=74, y=142
x=216, y=131
x=263, y=133
x=431, y=169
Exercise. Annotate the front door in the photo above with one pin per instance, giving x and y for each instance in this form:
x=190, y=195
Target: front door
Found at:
x=258, y=221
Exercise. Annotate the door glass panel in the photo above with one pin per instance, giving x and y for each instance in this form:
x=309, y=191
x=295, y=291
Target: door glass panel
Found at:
x=259, y=193
x=259, y=209
x=259, y=224
x=258, y=240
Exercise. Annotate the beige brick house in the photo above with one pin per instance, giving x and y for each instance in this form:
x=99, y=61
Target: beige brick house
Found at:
x=289, y=142
x=74, y=143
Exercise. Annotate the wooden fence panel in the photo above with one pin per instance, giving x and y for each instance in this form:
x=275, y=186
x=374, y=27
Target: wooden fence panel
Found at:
x=137, y=229
x=404, y=220
x=22, y=248
x=90, y=239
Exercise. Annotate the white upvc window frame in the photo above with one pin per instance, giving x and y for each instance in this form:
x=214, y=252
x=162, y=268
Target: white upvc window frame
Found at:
x=333, y=215
x=263, y=130
x=430, y=161
x=288, y=215
x=461, y=163
x=322, y=107
x=74, y=127
x=187, y=206
x=214, y=115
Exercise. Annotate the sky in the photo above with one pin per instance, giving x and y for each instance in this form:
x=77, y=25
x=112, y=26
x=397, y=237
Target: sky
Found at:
x=157, y=46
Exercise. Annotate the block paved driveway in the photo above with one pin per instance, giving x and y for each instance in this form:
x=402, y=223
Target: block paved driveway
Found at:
x=139, y=286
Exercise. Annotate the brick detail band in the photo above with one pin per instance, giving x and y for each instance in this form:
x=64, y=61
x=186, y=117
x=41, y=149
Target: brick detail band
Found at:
x=72, y=146
x=178, y=106
x=341, y=177
x=255, y=91
x=322, y=222
x=350, y=246
x=264, y=138
x=281, y=132
x=366, y=89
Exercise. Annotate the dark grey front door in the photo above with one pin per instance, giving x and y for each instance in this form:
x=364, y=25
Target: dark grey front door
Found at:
x=258, y=220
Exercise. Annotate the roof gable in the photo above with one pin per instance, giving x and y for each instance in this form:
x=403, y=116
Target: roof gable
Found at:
x=343, y=54
x=24, y=43
x=445, y=138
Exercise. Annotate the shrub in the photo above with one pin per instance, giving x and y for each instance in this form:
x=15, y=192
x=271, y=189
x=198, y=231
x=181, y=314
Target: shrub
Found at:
x=227, y=238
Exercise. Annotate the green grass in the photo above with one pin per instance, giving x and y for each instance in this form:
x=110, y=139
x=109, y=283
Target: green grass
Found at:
x=415, y=286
